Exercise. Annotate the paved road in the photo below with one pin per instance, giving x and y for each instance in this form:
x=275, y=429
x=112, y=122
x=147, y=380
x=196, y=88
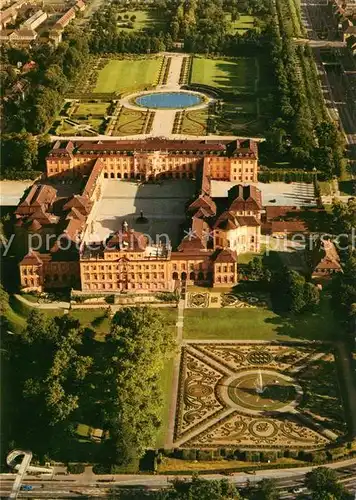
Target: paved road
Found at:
x=321, y=25
x=337, y=44
x=97, y=486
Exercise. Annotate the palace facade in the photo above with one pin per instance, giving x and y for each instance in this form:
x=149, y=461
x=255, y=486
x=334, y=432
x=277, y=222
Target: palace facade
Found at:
x=217, y=230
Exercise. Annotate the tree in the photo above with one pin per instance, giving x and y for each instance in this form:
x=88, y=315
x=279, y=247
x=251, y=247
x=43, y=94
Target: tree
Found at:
x=19, y=152
x=136, y=349
x=266, y=489
x=256, y=270
x=323, y=484
x=311, y=296
x=291, y=293
x=343, y=289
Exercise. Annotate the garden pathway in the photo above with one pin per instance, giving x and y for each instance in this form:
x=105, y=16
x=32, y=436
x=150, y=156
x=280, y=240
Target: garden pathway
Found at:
x=174, y=72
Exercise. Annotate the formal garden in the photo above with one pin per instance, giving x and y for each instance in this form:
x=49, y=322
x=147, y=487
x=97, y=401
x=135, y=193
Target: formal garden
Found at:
x=272, y=396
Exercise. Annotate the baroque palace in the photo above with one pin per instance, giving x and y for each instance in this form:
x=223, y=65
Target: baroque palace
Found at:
x=57, y=216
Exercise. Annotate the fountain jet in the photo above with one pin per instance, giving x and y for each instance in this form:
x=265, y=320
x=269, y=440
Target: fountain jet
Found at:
x=259, y=383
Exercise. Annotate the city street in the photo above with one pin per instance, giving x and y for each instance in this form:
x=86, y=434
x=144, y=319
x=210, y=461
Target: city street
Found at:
x=97, y=486
x=339, y=78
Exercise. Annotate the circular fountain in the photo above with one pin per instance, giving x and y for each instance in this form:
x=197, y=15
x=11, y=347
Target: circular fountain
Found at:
x=256, y=391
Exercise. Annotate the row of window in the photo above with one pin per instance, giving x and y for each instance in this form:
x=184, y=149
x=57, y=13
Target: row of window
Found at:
x=225, y=269
x=118, y=267
x=140, y=276
x=123, y=285
x=225, y=279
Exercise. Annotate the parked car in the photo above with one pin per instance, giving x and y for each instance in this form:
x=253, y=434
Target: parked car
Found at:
x=26, y=487
x=299, y=490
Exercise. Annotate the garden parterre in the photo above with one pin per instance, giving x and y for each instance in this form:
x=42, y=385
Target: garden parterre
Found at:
x=218, y=404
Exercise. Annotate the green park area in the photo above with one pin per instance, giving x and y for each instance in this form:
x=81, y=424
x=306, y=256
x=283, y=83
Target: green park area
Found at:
x=126, y=75
x=227, y=75
x=259, y=324
x=139, y=20
x=244, y=84
x=242, y=24
x=91, y=108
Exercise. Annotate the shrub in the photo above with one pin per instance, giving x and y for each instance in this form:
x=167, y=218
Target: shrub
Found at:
x=204, y=455
x=268, y=456
x=189, y=454
x=101, y=469
x=75, y=468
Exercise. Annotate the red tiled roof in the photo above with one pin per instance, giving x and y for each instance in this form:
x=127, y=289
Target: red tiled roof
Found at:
x=288, y=226
x=126, y=240
x=35, y=225
x=75, y=214
x=93, y=177
x=226, y=221
x=82, y=203
x=281, y=211
x=32, y=258
x=203, y=201
x=225, y=256
x=158, y=144
x=244, y=198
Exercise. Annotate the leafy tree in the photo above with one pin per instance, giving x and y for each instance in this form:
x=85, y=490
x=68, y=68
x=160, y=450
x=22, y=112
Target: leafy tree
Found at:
x=291, y=293
x=266, y=489
x=195, y=489
x=323, y=484
x=19, y=151
x=344, y=291
x=137, y=346
x=256, y=270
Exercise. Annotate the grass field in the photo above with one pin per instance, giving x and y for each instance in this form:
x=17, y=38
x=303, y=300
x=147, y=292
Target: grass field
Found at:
x=130, y=122
x=228, y=75
x=241, y=25
x=96, y=319
x=127, y=75
x=91, y=108
x=258, y=324
x=166, y=380
x=145, y=19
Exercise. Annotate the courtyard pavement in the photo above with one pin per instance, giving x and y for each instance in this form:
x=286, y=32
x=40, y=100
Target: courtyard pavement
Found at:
x=163, y=204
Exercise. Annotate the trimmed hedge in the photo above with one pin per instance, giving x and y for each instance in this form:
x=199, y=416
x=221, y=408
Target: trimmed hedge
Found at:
x=285, y=176
x=74, y=468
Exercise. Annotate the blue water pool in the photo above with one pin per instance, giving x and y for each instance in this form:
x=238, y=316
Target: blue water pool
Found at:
x=168, y=100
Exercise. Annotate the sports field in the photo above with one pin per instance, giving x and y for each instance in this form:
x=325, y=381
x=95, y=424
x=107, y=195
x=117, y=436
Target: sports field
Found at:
x=238, y=74
x=127, y=75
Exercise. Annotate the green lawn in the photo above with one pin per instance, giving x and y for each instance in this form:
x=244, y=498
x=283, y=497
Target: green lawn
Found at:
x=258, y=324
x=91, y=108
x=66, y=129
x=241, y=25
x=96, y=319
x=128, y=75
x=166, y=381
x=145, y=19
x=227, y=75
